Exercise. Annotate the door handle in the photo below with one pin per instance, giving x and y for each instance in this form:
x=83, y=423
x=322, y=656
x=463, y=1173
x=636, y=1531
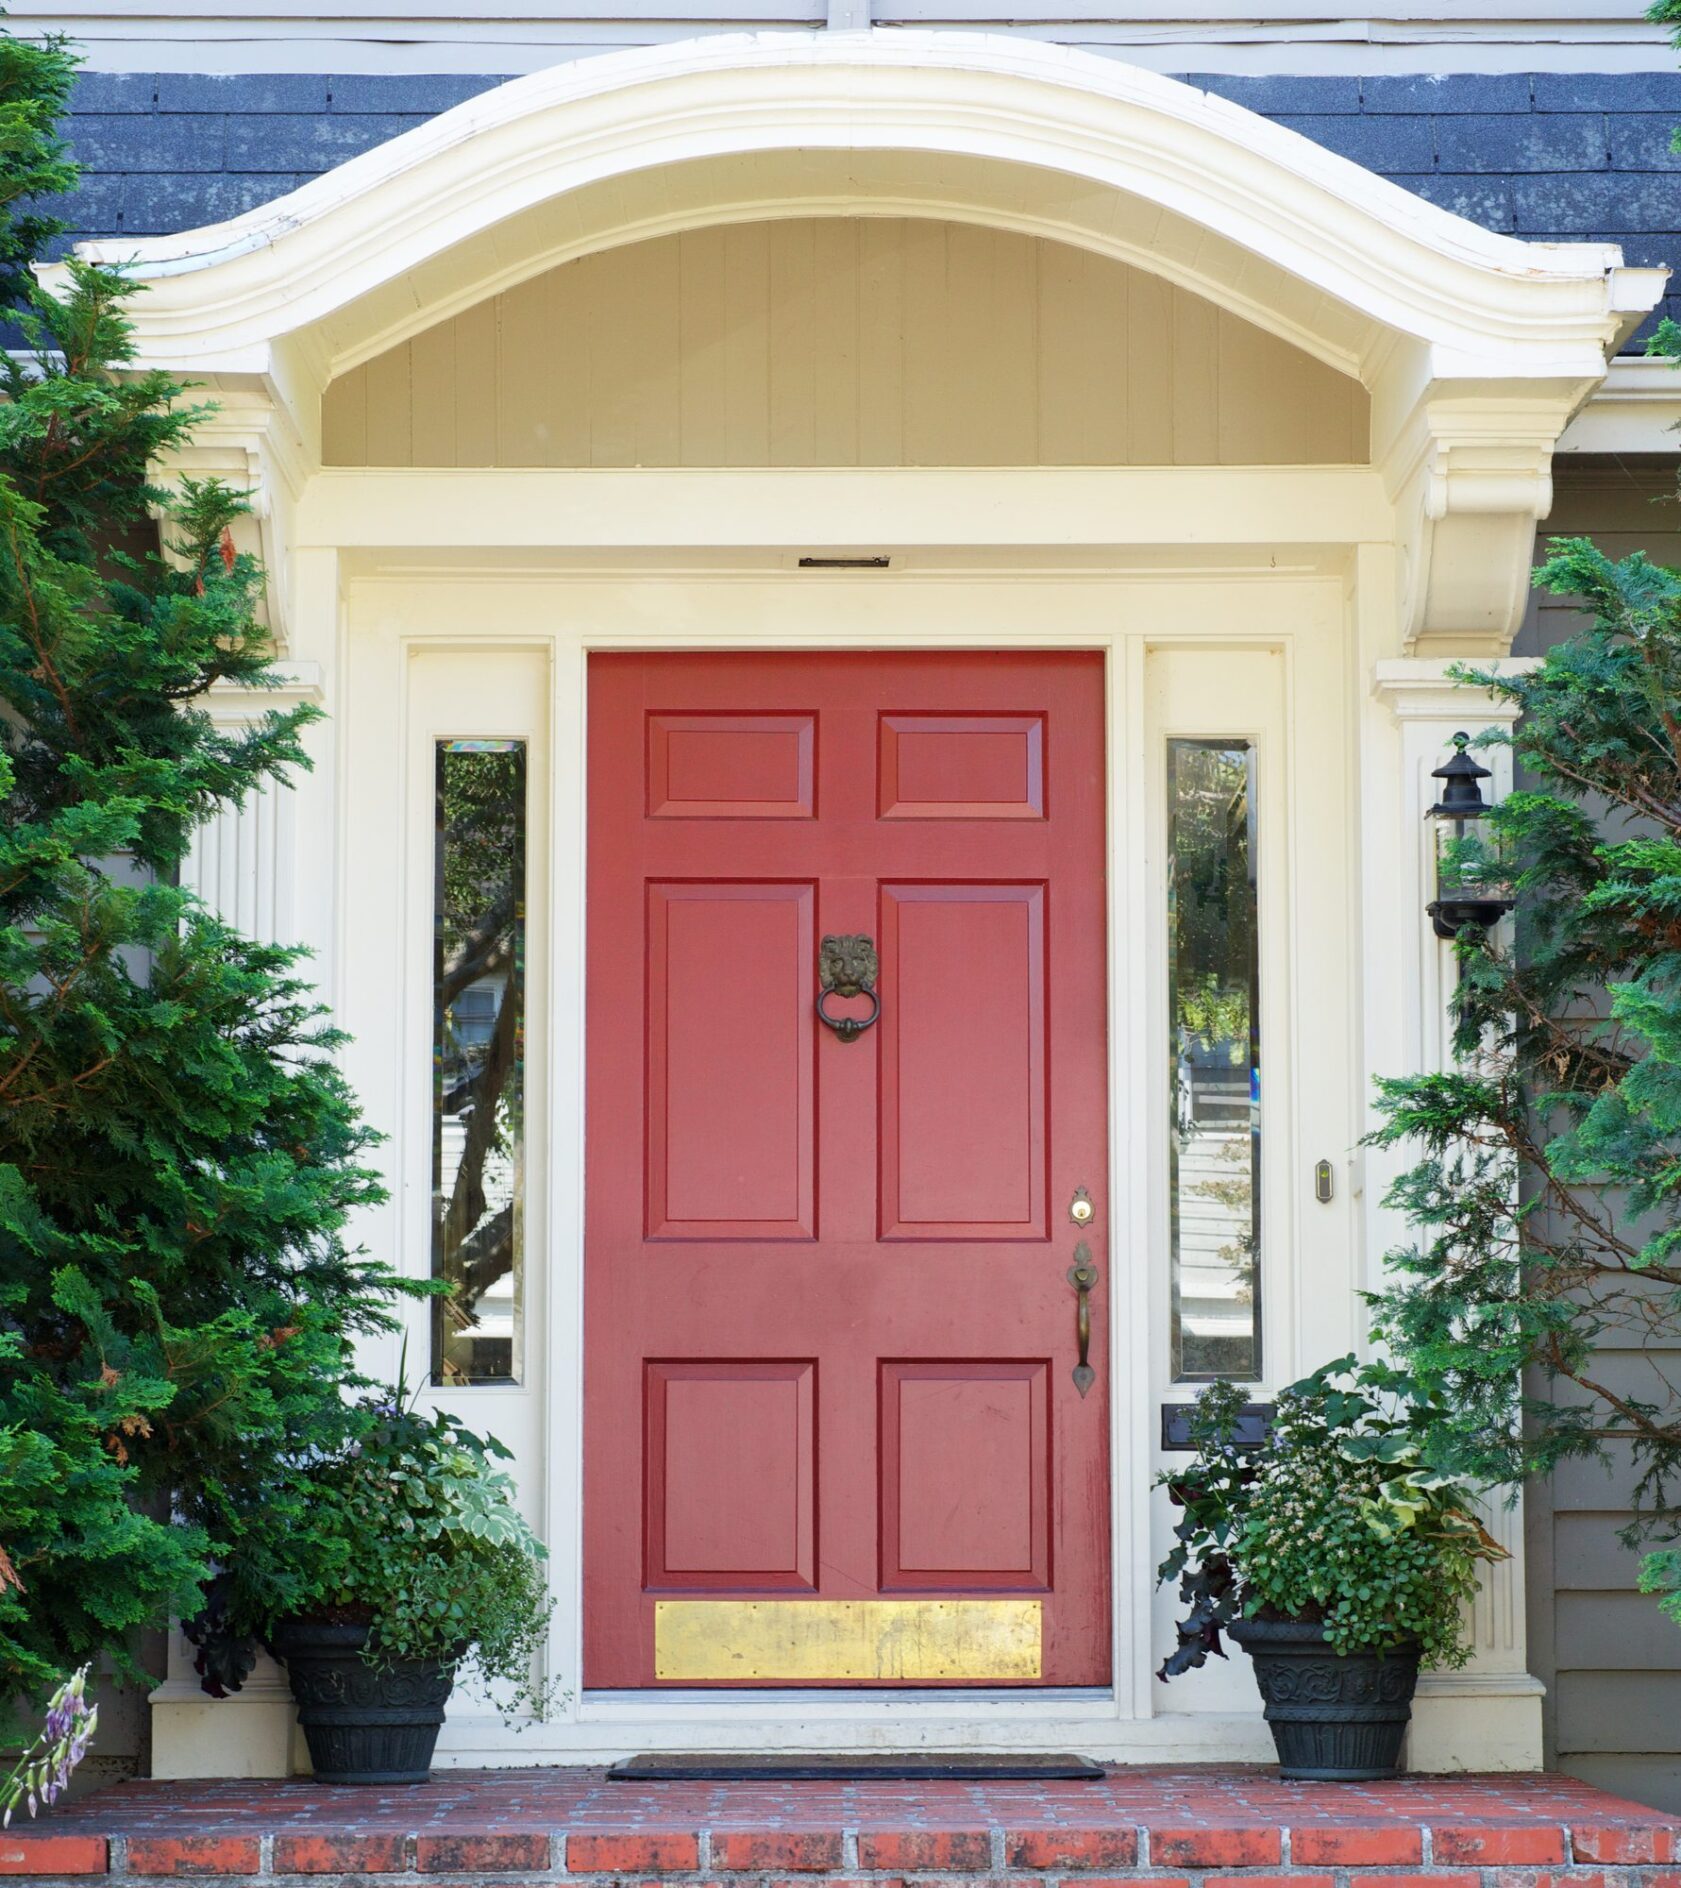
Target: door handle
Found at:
x=848, y=966
x=1082, y=1275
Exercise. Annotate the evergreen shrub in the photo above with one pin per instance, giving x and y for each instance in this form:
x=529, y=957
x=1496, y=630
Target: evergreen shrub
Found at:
x=178, y=1152
x=1539, y=1298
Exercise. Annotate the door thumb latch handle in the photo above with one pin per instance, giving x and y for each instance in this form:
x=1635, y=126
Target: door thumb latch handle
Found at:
x=846, y=967
x=1082, y=1275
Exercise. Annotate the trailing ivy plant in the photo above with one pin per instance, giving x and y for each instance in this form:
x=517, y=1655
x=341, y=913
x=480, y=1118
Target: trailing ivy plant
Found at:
x=1210, y=1496
x=1544, y=1196
x=178, y=1154
x=1339, y=1518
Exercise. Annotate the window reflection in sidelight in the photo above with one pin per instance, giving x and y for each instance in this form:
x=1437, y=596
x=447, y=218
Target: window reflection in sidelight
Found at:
x=478, y=1060
x=1213, y=991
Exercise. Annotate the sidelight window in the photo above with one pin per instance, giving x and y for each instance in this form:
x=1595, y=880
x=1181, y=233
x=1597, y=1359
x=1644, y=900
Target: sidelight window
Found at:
x=1215, y=1079
x=478, y=1060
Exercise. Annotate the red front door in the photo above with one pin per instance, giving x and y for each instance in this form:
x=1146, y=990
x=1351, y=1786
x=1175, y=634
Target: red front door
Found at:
x=830, y=1335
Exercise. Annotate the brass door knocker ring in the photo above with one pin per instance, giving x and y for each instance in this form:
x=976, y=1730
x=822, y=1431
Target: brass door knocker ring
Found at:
x=848, y=967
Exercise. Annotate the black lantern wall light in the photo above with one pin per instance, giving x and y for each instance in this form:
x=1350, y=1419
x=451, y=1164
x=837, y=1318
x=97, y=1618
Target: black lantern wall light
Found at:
x=1473, y=874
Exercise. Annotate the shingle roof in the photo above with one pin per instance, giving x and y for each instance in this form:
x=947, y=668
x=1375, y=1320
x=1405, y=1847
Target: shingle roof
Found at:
x=1547, y=155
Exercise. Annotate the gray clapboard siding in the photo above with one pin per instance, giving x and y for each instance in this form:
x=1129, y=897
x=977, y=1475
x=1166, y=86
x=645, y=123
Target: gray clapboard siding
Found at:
x=1611, y=1662
x=1607, y=1632
x=1616, y=1714
x=1592, y=1486
x=1644, y=1779
x=1588, y=1559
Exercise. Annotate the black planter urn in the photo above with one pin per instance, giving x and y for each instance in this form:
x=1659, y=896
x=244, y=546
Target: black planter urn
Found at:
x=363, y=1723
x=1336, y=1717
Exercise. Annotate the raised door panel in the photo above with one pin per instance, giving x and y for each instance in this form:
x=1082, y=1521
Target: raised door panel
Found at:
x=731, y=1114
x=961, y=766
x=963, y=1103
x=731, y=1475
x=727, y=766
x=965, y=1475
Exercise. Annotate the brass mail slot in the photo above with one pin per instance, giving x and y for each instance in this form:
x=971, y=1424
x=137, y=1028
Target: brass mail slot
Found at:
x=909, y=1641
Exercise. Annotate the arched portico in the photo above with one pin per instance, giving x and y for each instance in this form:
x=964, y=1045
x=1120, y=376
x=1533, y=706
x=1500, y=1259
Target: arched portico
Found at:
x=1301, y=608
x=938, y=123
x=1476, y=348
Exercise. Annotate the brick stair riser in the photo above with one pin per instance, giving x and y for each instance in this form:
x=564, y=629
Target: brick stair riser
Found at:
x=1396, y=1857
x=852, y=1875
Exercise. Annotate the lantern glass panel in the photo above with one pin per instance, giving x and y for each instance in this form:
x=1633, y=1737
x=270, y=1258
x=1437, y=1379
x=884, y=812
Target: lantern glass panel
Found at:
x=1473, y=862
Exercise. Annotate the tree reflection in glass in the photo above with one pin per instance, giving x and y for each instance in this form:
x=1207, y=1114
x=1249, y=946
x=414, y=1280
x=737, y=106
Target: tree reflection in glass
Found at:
x=478, y=1056
x=1214, y=1138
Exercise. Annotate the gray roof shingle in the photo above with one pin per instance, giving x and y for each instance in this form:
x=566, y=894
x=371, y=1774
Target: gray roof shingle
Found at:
x=1557, y=156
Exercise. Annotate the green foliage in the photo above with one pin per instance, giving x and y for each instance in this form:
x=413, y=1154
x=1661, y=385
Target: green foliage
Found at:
x=413, y=1529
x=1212, y=892
x=1340, y=1519
x=1214, y=1014
x=1210, y=1494
x=35, y=80
x=1660, y=1573
x=178, y=1154
x=1545, y=1192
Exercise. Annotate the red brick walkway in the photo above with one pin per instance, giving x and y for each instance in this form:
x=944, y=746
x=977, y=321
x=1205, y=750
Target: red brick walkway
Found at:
x=1148, y=1828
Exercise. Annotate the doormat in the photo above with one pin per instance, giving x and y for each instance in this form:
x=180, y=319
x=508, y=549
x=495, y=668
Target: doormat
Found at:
x=701, y=1766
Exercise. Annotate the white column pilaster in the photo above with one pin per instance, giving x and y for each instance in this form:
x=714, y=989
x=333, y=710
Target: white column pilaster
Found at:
x=244, y=865
x=1488, y=1716
x=243, y=861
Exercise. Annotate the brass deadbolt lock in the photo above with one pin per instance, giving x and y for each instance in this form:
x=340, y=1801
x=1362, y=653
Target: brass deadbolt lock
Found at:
x=1080, y=1208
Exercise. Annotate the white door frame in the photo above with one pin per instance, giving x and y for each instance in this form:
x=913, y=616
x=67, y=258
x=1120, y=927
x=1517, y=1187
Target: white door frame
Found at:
x=397, y=624
x=1477, y=350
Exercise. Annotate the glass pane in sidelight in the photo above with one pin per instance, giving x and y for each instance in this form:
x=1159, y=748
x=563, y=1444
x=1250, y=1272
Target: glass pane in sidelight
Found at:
x=1215, y=1131
x=478, y=1060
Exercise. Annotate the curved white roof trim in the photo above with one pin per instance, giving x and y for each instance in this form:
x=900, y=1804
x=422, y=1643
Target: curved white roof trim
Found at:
x=1484, y=303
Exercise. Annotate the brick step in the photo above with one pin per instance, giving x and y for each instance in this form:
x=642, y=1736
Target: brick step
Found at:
x=1154, y=1828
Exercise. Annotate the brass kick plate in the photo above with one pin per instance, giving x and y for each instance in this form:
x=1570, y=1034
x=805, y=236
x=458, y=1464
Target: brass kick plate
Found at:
x=909, y=1641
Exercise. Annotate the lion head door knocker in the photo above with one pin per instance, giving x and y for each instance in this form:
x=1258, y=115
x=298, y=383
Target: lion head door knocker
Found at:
x=846, y=967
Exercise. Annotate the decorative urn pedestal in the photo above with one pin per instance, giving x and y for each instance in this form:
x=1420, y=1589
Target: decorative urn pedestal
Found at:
x=1336, y=1717
x=363, y=1723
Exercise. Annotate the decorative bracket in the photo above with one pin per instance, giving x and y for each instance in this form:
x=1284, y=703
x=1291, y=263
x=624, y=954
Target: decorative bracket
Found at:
x=1469, y=469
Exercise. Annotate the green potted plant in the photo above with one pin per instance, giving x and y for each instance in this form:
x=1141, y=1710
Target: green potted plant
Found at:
x=1333, y=1554
x=414, y=1563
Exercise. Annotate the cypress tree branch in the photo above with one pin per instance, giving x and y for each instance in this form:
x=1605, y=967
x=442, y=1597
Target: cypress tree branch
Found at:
x=179, y=1155
x=1543, y=1195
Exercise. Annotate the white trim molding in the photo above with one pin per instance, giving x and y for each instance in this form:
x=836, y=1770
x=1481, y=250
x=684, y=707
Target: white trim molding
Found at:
x=1637, y=409
x=1489, y=1715
x=1478, y=349
x=1115, y=158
